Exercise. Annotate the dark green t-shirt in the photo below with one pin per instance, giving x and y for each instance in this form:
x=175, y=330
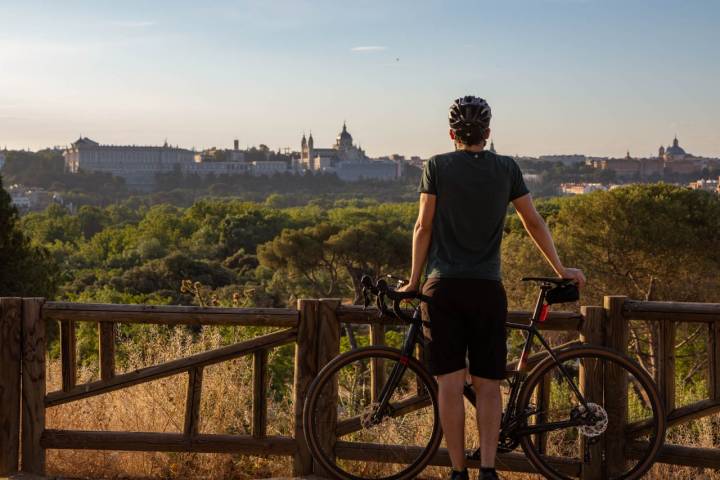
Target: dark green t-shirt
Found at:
x=473, y=191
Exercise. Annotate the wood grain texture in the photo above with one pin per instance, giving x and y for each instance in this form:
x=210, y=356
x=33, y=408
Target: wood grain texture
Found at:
x=555, y=321
x=514, y=461
x=167, y=442
x=714, y=360
x=680, y=455
x=172, y=368
x=591, y=386
x=377, y=372
x=665, y=361
x=68, y=354
x=170, y=314
x=10, y=364
x=328, y=347
x=106, y=340
x=305, y=372
x=192, y=402
x=615, y=385
x=680, y=415
x=675, y=311
x=33, y=386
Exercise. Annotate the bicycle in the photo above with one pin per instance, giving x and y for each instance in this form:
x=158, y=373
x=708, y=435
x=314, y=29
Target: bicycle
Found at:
x=386, y=418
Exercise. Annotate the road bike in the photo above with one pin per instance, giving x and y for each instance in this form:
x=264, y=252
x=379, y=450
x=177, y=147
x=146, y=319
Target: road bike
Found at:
x=381, y=403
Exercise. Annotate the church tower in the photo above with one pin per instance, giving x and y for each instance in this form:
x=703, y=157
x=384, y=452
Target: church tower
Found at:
x=303, y=149
x=661, y=152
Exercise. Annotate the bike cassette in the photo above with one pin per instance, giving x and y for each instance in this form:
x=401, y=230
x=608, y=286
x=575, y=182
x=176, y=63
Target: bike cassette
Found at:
x=599, y=416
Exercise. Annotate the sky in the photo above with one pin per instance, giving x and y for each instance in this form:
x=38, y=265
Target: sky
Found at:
x=598, y=77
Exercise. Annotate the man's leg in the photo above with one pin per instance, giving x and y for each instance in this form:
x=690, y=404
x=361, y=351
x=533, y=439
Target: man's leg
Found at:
x=452, y=415
x=489, y=410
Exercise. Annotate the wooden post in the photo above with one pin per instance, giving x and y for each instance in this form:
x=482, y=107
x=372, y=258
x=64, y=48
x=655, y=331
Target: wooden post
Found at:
x=328, y=347
x=616, y=386
x=10, y=360
x=377, y=374
x=33, y=386
x=305, y=371
x=259, y=406
x=192, y=403
x=68, y=354
x=592, y=386
x=665, y=371
x=714, y=360
x=106, y=333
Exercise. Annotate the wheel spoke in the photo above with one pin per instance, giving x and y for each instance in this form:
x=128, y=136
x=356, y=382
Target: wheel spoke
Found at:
x=588, y=433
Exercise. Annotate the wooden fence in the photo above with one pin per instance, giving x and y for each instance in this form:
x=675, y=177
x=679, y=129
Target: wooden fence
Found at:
x=315, y=329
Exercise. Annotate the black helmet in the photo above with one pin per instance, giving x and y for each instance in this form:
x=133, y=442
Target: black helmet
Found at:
x=469, y=118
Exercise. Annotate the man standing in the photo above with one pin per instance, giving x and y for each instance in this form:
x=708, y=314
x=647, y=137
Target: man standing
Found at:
x=464, y=196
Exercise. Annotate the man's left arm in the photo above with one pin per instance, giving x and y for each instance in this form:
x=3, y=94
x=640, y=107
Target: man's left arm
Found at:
x=422, y=235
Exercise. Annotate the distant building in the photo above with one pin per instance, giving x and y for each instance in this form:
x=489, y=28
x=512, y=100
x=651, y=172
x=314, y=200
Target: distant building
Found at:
x=564, y=159
x=27, y=199
x=347, y=160
x=706, y=185
x=269, y=167
x=2, y=160
x=136, y=164
x=673, y=160
x=580, y=188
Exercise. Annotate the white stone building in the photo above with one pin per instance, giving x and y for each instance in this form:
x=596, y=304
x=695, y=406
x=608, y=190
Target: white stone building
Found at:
x=347, y=160
x=138, y=165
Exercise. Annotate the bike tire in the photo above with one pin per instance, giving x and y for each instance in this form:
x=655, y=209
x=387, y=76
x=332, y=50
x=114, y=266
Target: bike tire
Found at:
x=658, y=421
x=328, y=374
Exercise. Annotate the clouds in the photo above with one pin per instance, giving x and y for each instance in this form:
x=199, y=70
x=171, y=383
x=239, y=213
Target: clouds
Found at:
x=368, y=48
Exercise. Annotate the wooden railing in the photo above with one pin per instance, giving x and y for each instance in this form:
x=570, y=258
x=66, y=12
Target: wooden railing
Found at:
x=315, y=329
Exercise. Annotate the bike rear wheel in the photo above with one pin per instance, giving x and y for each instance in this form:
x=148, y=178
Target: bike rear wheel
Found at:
x=394, y=444
x=599, y=447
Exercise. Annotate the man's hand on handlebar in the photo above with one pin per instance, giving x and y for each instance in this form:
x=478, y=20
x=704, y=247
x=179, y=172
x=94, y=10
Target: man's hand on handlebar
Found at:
x=409, y=287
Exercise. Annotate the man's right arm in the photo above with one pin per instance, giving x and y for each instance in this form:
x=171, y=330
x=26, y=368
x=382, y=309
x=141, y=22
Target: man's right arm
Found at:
x=540, y=233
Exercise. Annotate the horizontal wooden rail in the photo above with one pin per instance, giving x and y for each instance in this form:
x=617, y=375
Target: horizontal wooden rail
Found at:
x=679, y=455
x=167, y=442
x=677, y=311
x=372, y=452
x=171, y=314
x=678, y=416
x=173, y=367
x=555, y=321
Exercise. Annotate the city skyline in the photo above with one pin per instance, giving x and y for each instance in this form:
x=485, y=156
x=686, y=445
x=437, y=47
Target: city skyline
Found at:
x=563, y=76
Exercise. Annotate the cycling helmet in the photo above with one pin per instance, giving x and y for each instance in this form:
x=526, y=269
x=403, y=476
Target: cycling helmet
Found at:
x=469, y=117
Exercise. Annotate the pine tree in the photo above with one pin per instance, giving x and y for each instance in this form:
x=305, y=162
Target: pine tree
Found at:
x=25, y=270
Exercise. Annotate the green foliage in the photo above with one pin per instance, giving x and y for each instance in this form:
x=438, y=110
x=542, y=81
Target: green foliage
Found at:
x=25, y=269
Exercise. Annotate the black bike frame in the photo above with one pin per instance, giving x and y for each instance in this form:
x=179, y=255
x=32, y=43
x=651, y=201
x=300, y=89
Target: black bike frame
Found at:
x=510, y=416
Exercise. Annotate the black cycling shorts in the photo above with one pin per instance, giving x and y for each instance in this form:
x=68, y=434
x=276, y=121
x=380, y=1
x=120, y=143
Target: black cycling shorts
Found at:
x=467, y=320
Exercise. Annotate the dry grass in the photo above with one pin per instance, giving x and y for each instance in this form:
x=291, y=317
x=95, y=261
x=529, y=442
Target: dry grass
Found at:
x=226, y=408
x=158, y=406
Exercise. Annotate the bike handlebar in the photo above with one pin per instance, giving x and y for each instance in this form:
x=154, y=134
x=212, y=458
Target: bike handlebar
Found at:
x=381, y=290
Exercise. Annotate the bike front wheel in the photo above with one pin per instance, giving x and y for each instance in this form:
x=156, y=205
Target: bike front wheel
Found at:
x=565, y=439
x=354, y=435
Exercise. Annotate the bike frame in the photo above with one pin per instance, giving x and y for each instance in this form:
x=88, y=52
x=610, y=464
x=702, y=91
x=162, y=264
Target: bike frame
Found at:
x=512, y=424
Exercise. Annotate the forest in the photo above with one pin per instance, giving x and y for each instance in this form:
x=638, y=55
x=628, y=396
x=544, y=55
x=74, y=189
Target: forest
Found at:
x=654, y=241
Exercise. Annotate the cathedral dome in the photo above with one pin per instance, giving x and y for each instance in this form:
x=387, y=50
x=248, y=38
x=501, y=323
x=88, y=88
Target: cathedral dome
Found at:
x=675, y=149
x=344, y=137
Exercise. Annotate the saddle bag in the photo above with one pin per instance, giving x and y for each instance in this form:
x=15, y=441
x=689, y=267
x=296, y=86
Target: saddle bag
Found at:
x=563, y=294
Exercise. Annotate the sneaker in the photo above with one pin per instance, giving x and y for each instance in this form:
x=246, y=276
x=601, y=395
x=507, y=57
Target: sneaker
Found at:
x=459, y=475
x=488, y=474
